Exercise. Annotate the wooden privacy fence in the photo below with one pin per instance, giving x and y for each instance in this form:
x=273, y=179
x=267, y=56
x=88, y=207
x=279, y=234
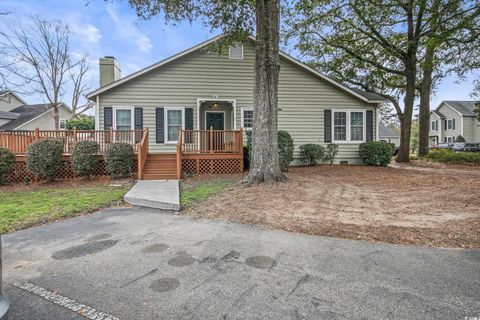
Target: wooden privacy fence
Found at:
x=18, y=141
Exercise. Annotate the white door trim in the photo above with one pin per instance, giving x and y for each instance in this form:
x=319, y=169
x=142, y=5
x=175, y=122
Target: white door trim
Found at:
x=232, y=101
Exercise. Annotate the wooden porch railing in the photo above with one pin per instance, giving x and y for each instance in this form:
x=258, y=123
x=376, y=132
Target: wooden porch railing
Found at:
x=142, y=153
x=211, y=141
x=18, y=141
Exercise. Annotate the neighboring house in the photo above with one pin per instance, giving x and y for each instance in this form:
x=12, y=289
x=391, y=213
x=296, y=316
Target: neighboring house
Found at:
x=16, y=114
x=9, y=100
x=201, y=89
x=451, y=119
x=388, y=134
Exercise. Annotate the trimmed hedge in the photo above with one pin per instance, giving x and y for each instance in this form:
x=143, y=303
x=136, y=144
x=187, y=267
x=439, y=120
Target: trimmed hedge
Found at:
x=449, y=156
x=376, y=153
x=331, y=152
x=85, y=157
x=7, y=159
x=44, y=158
x=119, y=159
x=312, y=153
x=285, y=149
x=459, y=138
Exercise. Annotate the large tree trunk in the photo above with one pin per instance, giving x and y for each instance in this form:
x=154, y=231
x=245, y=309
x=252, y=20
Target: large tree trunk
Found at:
x=424, y=115
x=56, y=117
x=406, y=120
x=265, y=166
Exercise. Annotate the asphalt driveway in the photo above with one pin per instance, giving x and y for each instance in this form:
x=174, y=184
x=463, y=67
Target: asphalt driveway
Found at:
x=143, y=264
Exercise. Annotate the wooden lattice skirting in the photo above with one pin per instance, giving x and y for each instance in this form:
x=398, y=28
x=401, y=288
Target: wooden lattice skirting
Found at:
x=19, y=171
x=202, y=164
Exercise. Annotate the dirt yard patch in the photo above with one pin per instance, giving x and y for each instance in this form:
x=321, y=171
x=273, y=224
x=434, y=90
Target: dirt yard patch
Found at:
x=434, y=208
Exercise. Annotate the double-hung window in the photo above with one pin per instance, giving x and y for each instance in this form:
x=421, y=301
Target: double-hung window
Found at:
x=435, y=125
x=348, y=125
x=123, y=118
x=247, y=118
x=62, y=124
x=173, y=122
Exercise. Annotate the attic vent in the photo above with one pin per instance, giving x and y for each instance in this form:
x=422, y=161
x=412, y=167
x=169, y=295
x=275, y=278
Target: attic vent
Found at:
x=235, y=51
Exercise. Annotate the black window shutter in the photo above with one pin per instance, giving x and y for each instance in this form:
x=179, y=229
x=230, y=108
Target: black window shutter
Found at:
x=453, y=124
x=188, y=118
x=188, y=124
x=327, y=119
x=138, y=121
x=159, y=125
x=107, y=118
x=138, y=118
x=369, y=124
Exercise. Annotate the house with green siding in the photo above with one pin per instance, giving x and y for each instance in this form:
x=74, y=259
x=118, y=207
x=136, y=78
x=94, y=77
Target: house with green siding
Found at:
x=201, y=89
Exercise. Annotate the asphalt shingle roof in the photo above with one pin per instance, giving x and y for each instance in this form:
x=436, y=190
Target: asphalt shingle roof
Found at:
x=384, y=131
x=25, y=114
x=466, y=108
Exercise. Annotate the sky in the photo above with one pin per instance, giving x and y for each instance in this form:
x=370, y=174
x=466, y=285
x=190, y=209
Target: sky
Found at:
x=111, y=28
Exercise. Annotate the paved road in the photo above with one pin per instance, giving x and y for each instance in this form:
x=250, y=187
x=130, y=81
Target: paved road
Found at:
x=144, y=264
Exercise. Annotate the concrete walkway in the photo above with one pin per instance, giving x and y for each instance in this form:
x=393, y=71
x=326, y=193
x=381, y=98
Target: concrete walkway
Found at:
x=157, y=194
x=139, y=263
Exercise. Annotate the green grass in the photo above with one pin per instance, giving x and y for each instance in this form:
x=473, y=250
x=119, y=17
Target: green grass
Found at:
x=202, y=191
x=21, y=209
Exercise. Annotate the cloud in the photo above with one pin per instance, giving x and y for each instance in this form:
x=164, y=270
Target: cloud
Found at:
x=88, y=32
x=126, y=29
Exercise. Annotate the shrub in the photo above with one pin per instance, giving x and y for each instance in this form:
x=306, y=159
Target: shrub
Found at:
x=84, y=157
x=81, y=123
x=460, y=139
x=376, y=153
x=7, y=159
x=285, y=149
x=119, y=159
x=44, y=158
x=311, y=153
x=331, y=152
x=449, y=156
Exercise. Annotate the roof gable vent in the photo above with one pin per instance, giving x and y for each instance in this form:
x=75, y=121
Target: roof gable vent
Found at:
x=235, y=51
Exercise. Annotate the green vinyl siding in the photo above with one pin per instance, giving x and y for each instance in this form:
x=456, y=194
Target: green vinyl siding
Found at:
x=303, y=97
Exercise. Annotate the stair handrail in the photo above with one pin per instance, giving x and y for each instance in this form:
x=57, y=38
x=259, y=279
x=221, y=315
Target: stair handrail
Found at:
x=142, y=153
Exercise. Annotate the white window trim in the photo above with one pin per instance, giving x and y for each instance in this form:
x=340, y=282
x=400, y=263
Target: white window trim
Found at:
x=59, y=123
x=132, y=110
x=449, y=124
x=242, y=119
x=230, y=53
x=218, y=111
x=165, y=127
x=348, y=126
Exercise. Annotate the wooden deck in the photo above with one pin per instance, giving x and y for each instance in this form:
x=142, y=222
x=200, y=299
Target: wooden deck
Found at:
x=197, y=151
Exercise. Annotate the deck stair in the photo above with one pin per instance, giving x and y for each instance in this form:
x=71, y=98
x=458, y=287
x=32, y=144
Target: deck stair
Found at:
x=160, y=166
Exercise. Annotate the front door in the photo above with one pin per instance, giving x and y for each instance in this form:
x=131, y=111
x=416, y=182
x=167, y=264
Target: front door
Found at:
x=215, y=121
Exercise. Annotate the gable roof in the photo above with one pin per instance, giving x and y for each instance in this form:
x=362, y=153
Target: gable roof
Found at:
x=8, y=91
x=27, y=113
x=367, y=97
x=465, y=108
x=384, y=131
x=438, y=113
